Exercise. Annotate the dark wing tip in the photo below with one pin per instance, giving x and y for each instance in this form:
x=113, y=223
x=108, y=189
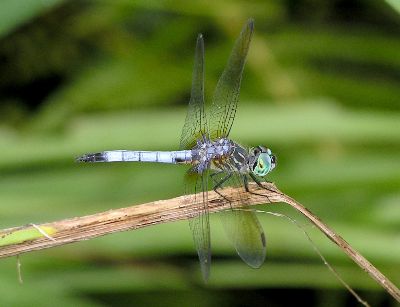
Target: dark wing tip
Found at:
x=250, y=23
x=200, y=40
x=205, y=272
x=200, y=43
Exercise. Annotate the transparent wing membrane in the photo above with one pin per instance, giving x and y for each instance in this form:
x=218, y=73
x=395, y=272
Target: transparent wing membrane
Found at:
x=197, y=193
x=242, y=226
x=195, y=128
x=226, y=95
x=195, y=123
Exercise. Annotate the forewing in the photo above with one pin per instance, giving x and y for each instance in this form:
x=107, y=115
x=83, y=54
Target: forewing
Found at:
x=242, y=225
x=195, y=123
x=197, y=194
x=224, y=103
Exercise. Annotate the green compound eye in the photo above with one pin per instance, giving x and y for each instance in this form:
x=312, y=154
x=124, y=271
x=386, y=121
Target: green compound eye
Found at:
x=263, y=165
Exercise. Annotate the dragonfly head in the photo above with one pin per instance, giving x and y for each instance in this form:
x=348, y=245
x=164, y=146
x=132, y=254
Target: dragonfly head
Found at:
x=261, y=161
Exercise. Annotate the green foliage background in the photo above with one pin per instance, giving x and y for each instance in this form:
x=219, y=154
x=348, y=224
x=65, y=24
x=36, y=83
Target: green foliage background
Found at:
x=321, y=88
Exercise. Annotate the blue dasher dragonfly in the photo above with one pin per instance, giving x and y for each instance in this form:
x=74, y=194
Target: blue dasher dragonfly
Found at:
x=214, y=158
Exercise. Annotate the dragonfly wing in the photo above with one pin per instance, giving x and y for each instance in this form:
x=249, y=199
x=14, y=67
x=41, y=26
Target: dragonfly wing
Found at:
x=226, y=95
x=195, y=123
x=195, y=128
x=247, y=236
x=242, y=225
x=197, y=193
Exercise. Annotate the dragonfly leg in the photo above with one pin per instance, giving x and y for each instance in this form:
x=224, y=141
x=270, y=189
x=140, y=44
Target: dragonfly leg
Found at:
x=259, y=182
x=220, y=183
x=256, y=180
x=246, y=183
x=215, y=174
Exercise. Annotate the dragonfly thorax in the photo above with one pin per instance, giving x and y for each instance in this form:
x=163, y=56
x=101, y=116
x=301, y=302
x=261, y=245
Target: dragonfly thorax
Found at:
x=207, y=151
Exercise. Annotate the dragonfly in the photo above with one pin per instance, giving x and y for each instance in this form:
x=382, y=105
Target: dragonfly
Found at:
x=214, y=159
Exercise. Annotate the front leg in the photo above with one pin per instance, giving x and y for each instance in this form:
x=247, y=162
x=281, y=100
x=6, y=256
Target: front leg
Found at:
x=261, y=185
x=258, y=182
x=219, y=184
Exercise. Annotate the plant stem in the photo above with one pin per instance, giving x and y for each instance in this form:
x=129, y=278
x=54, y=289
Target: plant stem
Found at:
x=18, y=240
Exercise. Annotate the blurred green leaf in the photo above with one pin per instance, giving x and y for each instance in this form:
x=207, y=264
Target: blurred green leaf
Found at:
x=14, y=13
x=320, y=89
x=395, y=4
